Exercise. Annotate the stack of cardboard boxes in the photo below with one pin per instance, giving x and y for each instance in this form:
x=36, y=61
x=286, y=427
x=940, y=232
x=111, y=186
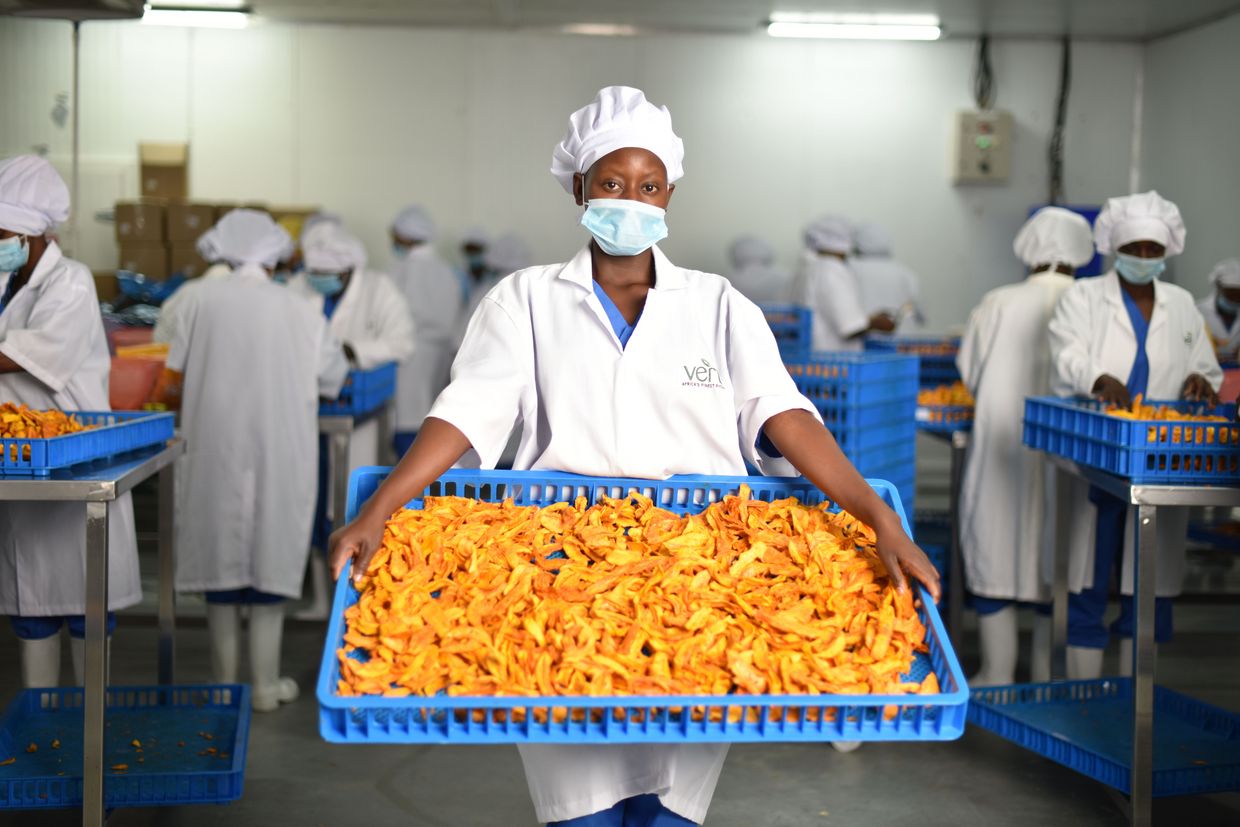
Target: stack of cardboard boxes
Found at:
x=157, y=238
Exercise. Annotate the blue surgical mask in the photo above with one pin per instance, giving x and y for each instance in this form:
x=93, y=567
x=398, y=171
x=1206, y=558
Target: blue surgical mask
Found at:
x=622, y=227
x=1137, y=270
x=1227, y=305
x=328, y=284
x=280, y=276
x=14, y=253
x=400, y=251
x=476, y=261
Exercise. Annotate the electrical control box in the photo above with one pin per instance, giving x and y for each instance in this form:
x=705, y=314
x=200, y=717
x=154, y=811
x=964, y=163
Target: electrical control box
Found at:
x=982, y=147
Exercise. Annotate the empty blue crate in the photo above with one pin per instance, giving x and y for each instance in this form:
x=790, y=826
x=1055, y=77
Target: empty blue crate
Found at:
x=193, y=742
x=792, y=327
x=1087, y=726
x=1144, y=451
x=364, y=391
x=837, y=380
x=633, y=718
x=110, y=433
x=938, y=355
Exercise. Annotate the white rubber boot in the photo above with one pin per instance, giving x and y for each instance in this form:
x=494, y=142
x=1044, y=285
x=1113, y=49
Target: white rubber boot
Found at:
x=268, y=688
x=77, y=651
x=1040, y=651
x=997, y=633
x=1084, y=663
x=846, y=746
x=224, y=624
x=41, y=662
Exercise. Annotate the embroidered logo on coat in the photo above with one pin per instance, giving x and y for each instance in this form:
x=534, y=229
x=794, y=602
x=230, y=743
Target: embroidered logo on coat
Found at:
x=704, y=375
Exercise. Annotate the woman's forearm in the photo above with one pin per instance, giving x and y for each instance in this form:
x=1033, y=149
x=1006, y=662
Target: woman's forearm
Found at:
x=438, y=447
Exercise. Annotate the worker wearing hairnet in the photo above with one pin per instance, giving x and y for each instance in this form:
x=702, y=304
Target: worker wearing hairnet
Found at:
x=504, y=256
x=1113, y=337
x=433, y=295
x=591, y=356
x=53, y=355
x=1004, y=358
x=166, y=322
x=474, y=243
x=754, y=272
x=1221, y=309
x=886, y=285
x=829, y=288
x=253, y=359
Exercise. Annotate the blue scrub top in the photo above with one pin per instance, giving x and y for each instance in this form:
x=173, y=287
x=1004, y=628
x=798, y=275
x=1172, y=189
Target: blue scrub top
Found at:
x=622, y=328
x=1139, y=376
x=330, y=303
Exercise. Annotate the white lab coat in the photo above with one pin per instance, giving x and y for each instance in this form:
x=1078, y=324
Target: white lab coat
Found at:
x=762, y=283
x=433, y=296
x=887, y=286
x=166, y=324
x=1091, y=335
x=826, y=286
x=1226, y=340
x=1005, y=357
x=256, y=359
x=373, y=318
x=53, y=329
x=689, y=394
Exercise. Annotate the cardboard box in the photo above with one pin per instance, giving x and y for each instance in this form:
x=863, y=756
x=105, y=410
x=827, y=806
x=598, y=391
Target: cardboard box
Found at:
x=106, y=285
x=139, y=221
x=188, y=221
x=148, y=258
x=164, y=170
x=183, y=258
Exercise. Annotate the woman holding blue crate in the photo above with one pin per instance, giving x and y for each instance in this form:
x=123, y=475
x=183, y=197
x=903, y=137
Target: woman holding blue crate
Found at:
x=1123, y=334
x=619, y=363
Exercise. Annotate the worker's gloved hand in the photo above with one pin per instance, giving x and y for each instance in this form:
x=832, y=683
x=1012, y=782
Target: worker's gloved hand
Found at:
x=1110, y=390
x=882, y=322
x=355, y=543
x=900, y=555
x=1198, y=389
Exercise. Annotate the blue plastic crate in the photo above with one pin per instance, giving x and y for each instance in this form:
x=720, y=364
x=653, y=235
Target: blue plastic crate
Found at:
x=632, y=719
x=937, y=354
x=1186, y=453
x=1087, y=726
x=792, y=326
x=856, y=379
x=114, y=432
x=944, y=419
x=365, y=391
x=159, y=717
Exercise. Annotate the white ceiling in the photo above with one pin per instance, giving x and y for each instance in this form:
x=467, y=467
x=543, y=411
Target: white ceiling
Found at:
x=1105, y=19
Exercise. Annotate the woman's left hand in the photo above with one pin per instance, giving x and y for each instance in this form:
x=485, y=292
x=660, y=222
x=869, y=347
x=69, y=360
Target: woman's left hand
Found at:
x=1198, y=389
x=900, y=555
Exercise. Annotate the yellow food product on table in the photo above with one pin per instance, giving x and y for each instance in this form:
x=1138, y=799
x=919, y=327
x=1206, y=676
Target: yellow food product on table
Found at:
x=21, y=422
x=749, y=596
x=955, y=395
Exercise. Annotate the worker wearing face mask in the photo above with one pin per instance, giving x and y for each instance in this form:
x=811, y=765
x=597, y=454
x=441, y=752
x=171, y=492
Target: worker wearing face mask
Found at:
x=829, y=288
x=1113, y=337
x=754, y=272
x=433, y=295
x=1221, y=309
x=53, y=355
x=474, y=243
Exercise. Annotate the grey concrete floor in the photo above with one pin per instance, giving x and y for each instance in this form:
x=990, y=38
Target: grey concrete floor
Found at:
x=294, y=777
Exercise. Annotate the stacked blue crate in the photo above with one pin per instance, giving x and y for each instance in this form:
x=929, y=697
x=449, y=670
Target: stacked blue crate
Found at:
x=938, y=355
x=792, y=327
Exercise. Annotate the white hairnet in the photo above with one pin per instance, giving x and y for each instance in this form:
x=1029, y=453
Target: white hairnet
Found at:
x=330, y=248
x=315, y=219
x=475, y=234
x=33, y=196
x=246, y=237
x=1054, y=235
x=1146, y=216
x=1226, y=273
x=872, y=239
x=619, y=116
x=414, y=223
x=830, y=233
x=748, y=251
x=507, y=254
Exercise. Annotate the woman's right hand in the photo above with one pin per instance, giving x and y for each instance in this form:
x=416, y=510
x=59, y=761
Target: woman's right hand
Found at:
x=355, y=543
x=1111, y=391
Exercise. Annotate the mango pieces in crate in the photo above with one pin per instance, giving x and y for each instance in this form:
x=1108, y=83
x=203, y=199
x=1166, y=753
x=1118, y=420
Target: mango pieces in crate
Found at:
x=1158, y=413
x=955, y=395
x=21, y=422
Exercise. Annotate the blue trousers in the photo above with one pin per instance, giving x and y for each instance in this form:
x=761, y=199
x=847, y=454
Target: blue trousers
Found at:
x=1087, y=608
x=322, y=524
x=38, y=628
x=991, y=605
x=638, y=811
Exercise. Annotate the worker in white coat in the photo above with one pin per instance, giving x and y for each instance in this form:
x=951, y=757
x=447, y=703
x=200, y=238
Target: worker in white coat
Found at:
x=504, y=256
x=1004, y=512
x=1221, y=310
x=474, y=243
x=591, y=356
x=886, y=285
x=827, y=287
x=754, y=272
x=434, y=297
x=254, y=359
x=166, y=323
x=53, y=355
x=1113, y=337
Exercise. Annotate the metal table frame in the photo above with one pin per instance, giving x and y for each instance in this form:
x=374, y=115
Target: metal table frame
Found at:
x=1147, y=499
x=958, y=441
x=96, y=487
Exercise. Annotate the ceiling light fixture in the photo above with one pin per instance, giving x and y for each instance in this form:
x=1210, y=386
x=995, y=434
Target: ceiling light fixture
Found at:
x=600, y=29
x=855, y=26
x=209, y=17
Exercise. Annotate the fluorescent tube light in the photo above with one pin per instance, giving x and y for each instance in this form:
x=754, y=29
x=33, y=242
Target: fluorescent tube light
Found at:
x=855, y=26
x=600, y=29
x=200, y=18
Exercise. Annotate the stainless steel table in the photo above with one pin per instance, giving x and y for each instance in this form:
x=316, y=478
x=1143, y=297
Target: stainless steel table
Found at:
x=96, y=486
x=959, y=443
x=1146, y=499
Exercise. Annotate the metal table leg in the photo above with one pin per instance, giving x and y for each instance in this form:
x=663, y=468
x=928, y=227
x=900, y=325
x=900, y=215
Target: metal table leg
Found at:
x=1145, y=572
x=955, y=597
x=340, y=477
x=167, y=574
x=387, y=434
x=96, y=662
x=1059, y=593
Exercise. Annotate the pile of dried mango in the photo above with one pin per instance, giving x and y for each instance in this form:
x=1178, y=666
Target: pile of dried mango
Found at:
x=955, y=395
x=21, y=422
x=1158, y=413
x=751, y=597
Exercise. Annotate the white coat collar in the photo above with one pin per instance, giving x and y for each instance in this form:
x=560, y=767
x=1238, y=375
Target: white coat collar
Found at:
x=580, y=271
x=1114, y=295
x=51, y=257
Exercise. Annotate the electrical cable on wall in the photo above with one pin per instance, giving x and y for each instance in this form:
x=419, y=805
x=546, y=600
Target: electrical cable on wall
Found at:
x=983, y=75
x=1055, y=150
